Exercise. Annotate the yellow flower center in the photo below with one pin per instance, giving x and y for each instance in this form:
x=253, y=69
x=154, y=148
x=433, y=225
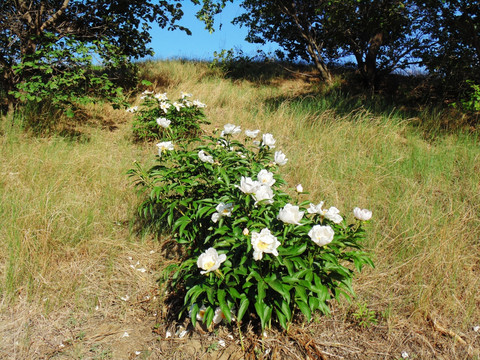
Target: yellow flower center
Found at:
x=208, y=265
x=262, y=245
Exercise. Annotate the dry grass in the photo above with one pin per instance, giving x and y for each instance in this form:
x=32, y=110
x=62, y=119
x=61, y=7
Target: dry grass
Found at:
x=67, y=246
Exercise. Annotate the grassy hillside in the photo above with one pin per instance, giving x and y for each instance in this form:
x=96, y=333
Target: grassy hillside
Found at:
x=70, y=252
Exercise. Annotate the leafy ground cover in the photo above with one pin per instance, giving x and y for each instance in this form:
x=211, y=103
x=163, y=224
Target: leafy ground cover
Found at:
x=79, y=276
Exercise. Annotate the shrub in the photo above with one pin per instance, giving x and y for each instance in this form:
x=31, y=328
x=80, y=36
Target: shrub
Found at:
x=159, y=118
x=248, y=250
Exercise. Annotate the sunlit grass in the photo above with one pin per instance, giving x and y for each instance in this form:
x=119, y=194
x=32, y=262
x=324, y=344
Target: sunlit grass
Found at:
x=66, y=206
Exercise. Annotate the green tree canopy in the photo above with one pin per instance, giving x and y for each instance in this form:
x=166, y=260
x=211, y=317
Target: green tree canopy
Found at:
x=116, y=30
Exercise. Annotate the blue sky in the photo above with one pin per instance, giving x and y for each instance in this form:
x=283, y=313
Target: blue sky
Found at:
x=201, y=44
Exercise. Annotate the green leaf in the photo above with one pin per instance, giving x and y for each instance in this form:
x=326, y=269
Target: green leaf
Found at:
x=305, y=309
x=221, y=293
x=244, y=303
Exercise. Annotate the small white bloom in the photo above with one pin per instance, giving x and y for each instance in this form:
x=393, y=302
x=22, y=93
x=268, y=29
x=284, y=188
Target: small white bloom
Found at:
x=316, y=209
x=168, y=334
x=230, y=336
x=224, y=209
x=219, y=316
x=125, y=298
x=210, y=260
x=404, y=355
x=280, y=158
x=215, y=217
x=333, y=214
x=362, y=214
x=97, y=308
x=231, y=129
x=204, y=157
x=198, y=104
x=221, y=342
x=200, y=313
x=299, y=188
x=152, y=252
x=247, y=185
x=183, y=95
x=147, y=92
x=165, y=106
x=187, y=103
x=252, y=133
x=245, y=232
x=133, y=109
x=264, y=242
x=321, y=235
x=263, y=193
x=265, y=177
x=290, y=214
x=125, y=334
x=268, y=140
x=476, y=328
x=178, y=106
x=163, y=122
x=142, y=270
x=161, y=96
x=164, y=146
x=138, y=352
x=61, y=345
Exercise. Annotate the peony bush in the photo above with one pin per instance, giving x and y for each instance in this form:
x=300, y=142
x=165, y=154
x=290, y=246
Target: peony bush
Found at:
x=250, y=250
x=158, y=117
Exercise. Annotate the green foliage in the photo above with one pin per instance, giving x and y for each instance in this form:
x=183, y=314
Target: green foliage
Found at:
x=472, y=101
x=61, y=73
x=248, y=252
x=365, y=317
x=160, y=118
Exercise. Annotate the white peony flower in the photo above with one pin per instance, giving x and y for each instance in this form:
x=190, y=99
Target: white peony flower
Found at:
x=264, y=242
x=263, y=193
x=215, y=217
x=290, y=214
x=231, y=129
x=252, y=133
x=333, y=214
x=268, y=140
x=165, y=106
x=280, y=158
x=299, y=188
x=224, y=209
x=247, y=185
x=210, y=261
x=164, y=146
x=187, y=103
x=163, y=122
x=198, y=104
x=321, y=235
x=362, y=214
x=178, y=106
x=316, y=209
x=265, y=177
x=161, y=96
x=200, y=313
x=133, y=109
x=183, y=95
x=204, y=157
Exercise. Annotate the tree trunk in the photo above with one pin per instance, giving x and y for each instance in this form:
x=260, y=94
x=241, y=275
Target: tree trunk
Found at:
x=371, y=59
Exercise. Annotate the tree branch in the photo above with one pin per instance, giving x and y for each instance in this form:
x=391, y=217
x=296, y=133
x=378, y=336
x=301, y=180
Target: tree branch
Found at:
x=55, y=16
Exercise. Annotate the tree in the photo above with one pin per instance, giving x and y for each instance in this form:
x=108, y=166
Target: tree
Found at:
x=117, y=31
x=379, y=34
x=452, y=50
x=297, y=26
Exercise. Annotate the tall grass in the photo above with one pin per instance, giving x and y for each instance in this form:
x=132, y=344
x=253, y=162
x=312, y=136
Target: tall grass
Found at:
x=64, y=202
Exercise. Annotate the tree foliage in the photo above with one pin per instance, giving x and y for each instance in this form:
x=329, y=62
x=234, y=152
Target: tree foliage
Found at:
x=115, y=31
x=377, y=33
